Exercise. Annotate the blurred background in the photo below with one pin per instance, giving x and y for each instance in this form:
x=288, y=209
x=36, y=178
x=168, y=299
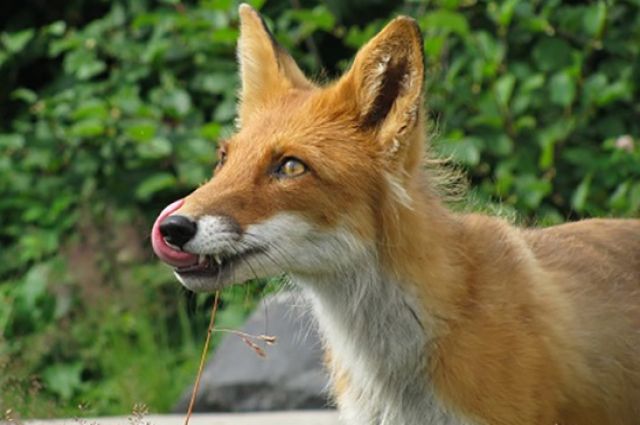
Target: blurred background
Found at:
x=109, y=110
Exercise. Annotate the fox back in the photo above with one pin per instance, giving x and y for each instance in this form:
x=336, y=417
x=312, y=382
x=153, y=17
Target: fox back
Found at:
x=428, y=316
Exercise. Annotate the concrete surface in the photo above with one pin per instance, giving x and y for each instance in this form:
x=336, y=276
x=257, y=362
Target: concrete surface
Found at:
x=324, y=417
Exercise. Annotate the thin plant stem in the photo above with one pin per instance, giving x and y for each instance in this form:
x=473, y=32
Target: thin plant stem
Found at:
x=203, y=357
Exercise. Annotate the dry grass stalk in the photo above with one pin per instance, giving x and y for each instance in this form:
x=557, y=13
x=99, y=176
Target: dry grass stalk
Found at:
x=268, y=339
x=203, y=357
x=246, y=338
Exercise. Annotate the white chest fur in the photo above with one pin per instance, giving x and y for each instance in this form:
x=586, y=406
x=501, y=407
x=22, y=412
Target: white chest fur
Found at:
x=376, y=335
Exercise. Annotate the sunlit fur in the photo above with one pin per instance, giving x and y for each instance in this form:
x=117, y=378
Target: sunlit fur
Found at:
x=429, y=316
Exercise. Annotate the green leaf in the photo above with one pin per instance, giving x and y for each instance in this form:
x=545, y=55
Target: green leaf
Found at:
x=36, y=244
x=225, y=36
x=501, y=145
x=593, y=87
x=57, y=28
x=193, y=174
x=595, y=18
x=619, y=90
x=25, y=94
x=317, y=18
x=83, y=64
x=562, y=89
x=156, y=148
x=175, y=102
x=92, y=108
x=90, y=69
x=552, y=54
x=433, y=46
x=618, y=200
x=90, y=127
x=224, y=5
x=505, y=12
x=226, y=110
x=15, y=42
x=448, y=4
x=580, y=195
x=64, y=380
x=141, y=130
x=256, y=4
x=532, y=83
x=504, y=88
x=531, y=190
x=446, y=21
x=210, y=130
x=634, y=199
x=34, y=286
x=11, y=142
x=154, y=184
x=216, y=83
x=549, y=136
x=464, y=151
x=526, y=122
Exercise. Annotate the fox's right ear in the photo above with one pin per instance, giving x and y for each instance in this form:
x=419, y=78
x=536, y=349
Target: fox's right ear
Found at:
x=266, y=69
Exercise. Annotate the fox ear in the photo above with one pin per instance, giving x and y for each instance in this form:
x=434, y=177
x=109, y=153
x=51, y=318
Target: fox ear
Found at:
x=386, y=81
x=266, y=69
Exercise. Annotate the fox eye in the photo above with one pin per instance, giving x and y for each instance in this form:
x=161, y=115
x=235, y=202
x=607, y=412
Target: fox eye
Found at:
x=291, y=167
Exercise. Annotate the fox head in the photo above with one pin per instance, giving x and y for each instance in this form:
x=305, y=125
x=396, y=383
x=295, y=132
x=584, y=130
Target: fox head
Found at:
x=306, y=184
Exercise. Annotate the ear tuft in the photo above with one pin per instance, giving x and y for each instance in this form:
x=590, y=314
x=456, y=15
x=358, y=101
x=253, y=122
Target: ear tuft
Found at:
x=245, y=8
x=254, y=25
x=390, y=79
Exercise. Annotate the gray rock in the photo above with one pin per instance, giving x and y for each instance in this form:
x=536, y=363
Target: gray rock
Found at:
x=291, y=376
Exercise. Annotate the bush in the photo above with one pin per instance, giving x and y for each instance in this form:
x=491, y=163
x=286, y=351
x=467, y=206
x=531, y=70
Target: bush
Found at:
x=114, y=110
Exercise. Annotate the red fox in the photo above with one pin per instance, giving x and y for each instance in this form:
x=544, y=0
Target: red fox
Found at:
x=428, y=316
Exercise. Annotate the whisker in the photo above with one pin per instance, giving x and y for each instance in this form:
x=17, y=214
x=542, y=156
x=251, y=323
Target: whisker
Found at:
x=246, y=261
x=279, y=250
x=272, y=247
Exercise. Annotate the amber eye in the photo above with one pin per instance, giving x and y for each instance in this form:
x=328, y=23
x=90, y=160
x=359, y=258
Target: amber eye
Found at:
x=291, y=167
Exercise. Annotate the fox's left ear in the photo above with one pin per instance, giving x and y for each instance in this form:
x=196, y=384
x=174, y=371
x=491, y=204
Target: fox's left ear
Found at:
x=266, y=69
x=386, y=84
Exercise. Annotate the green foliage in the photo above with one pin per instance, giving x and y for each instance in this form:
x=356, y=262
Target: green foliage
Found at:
x=109, y=115
x=539, y=100
x=127, y=123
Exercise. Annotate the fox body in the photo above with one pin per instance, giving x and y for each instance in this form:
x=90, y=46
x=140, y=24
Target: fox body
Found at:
x=428, y=316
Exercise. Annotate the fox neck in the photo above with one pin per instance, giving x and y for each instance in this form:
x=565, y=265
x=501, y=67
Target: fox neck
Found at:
x=378, y=319
x=419, y=248
x=376, y=339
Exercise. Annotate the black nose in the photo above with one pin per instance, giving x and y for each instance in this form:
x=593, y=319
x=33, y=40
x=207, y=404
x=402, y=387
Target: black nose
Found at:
x=177, y=230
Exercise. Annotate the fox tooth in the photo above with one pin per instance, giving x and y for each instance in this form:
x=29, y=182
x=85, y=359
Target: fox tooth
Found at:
x=202, y=258
x=218, y=259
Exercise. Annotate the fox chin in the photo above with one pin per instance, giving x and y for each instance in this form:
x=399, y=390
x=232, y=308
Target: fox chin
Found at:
x=428, y=316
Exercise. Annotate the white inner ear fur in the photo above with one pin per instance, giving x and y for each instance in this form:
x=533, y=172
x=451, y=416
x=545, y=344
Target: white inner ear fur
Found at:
x=376, y=80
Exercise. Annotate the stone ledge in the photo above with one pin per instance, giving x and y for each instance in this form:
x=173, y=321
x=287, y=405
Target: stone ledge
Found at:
x=324, y=417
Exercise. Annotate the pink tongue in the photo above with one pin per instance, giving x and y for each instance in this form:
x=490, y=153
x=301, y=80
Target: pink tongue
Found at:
x=166, y=253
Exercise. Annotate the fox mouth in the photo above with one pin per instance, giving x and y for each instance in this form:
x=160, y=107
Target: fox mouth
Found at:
x=217, y=265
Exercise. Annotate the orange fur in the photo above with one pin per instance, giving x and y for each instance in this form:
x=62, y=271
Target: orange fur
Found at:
x=529, y=326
